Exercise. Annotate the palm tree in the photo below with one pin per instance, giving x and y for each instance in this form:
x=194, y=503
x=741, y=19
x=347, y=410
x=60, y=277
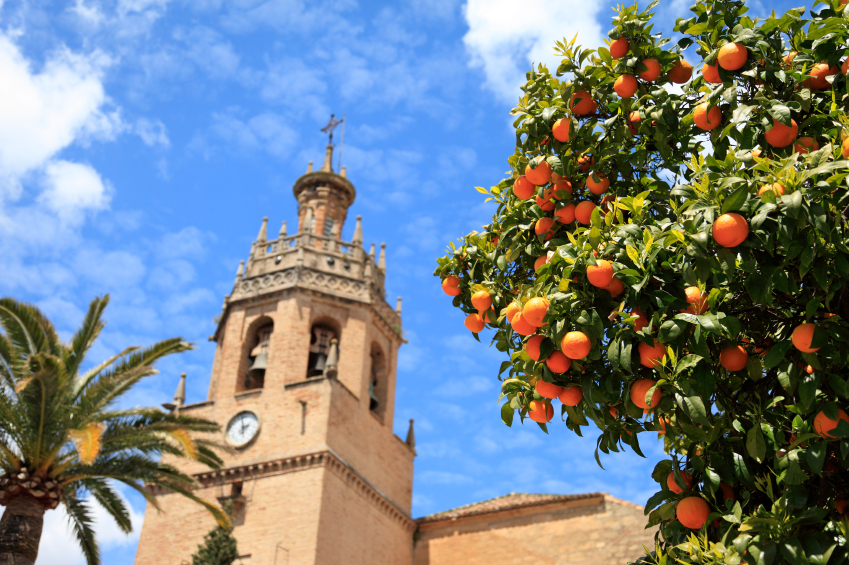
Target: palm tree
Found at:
x=63, y=440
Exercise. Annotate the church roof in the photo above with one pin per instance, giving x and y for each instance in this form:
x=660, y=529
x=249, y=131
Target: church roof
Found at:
x=506, y=502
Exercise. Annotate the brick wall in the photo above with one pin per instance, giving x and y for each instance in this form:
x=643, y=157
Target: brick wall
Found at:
x=596, y=531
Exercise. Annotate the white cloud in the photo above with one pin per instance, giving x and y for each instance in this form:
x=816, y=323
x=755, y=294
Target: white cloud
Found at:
x=504, y=37
x=267, y=131
x=152, y=132
x=42, y=113
x=72, y=189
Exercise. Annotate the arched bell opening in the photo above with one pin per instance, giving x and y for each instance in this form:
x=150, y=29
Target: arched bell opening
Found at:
x=256, y=355
x=378, y=382
x=323, y=350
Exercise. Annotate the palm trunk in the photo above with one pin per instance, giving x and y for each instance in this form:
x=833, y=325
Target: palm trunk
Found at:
x=20, y=531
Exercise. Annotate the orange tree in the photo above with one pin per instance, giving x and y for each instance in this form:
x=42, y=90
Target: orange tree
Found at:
x=671, y=255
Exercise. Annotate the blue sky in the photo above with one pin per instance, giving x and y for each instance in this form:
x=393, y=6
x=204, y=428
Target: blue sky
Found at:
x=142, y=142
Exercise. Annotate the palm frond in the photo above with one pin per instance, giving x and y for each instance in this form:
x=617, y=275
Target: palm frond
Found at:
x=83, y=381
x=87, y=333
x=28, y=329
x=87, y=441
x=110, y=501
x=10, y=362
x=80, y=518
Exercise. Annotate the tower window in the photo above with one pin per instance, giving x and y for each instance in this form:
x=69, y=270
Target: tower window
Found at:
x=320, y=337
x=378, y=382
x=328, y=227
x=257, y=357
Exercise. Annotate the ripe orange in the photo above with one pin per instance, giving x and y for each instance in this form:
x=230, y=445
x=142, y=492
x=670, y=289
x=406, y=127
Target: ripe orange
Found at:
x=561, y=186
x=584, y=211
x=810, y=370
x=673, y=486
x=693, y=512
x=625, y=86
x=488, y=316
x=557, y=362
x=512, y=309
x=727, y=492
x=541, y=260
x=780, y=135
x=652, y=70
x=639, y=390
x=732, y=56
x=523, y=188
x=535, y=310
x=615, y=288
x=640, y=322
x=711, y=74
x=585, y=162
x=802, y=336
x=600, y=274
x=538, y=411
x=844, y=68
x=597, y=183
x=474, y=322
x=582, y=103
x=571, y=395
x=733, y=358
x=681, y=72
x=450, y=285
x=482, y=300
x=521, y=325
x=662, y=421
x=805, y=145
x=544, y=201
x=613, y=411
x=823, y=424
x=576, y=345
x=566, y=215
x=730, y=230
x=543, y=226
x=650, y=356
x=707, y=119
x=841, y=504
x=560, y=129
x=818, y=74
x=539, y=176
x=547, y=390
x=532, y=347
x=788, y=60
x=618, y=47
x=697, y=299
x=845, y=147
x=776, y=188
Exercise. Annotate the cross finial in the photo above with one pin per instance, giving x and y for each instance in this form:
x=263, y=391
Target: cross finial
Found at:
x=331, y=125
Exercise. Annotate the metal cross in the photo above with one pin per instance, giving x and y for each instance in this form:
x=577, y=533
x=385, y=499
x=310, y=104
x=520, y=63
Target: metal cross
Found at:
x=328, y=129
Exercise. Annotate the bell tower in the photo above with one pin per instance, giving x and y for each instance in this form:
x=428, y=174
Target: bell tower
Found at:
x=303, y=385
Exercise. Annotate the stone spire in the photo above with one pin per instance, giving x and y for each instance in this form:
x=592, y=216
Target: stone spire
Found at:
x=263, y=230
x=327, y=167
x=309, y=168
x=343, y=173
x=240, y=271
x=381, y=264
x=398, y=306
x=179, y=396
x=358, y=232
x=411, y=437
x=371, y=252
x=283, y=230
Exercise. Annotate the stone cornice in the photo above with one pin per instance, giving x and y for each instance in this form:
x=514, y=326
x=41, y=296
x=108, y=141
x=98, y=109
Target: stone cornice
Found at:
x=323, y=459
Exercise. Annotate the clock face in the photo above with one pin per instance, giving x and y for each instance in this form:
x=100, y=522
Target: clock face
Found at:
x=242, y=428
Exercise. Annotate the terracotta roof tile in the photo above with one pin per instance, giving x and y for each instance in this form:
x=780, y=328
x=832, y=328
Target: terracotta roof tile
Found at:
x=506, y=502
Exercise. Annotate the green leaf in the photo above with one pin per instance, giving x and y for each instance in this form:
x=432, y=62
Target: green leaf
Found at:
x=687, y=362
x=696, y=410
x=776, y=353
x=507, y=414
x=740, y=468
x=816, y=456
x=780, y=112
x=697, y=29
x=735, y=200
x=755, y=444
x=671, y=329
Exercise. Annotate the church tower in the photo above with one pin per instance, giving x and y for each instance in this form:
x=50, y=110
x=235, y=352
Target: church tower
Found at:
x=303, y=385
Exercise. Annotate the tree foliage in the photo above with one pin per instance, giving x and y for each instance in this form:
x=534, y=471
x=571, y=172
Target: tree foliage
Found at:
x=747, y=439
x=64, y=440
x=219, y=545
